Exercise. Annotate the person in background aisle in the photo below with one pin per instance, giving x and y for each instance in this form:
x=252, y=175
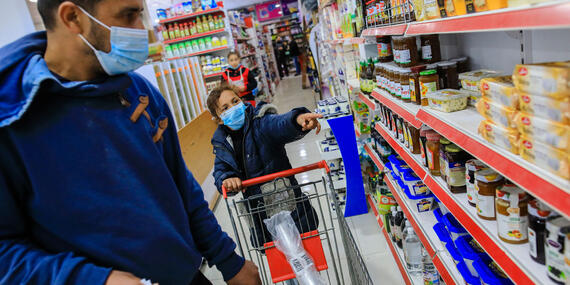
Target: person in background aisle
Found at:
x=93, y=186
x=240, y=76
x=294, y=53
x=282, y=58
x=250, y=142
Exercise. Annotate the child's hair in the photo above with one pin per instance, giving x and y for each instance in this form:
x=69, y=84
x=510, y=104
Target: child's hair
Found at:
x=233, y=52
x=212, y=101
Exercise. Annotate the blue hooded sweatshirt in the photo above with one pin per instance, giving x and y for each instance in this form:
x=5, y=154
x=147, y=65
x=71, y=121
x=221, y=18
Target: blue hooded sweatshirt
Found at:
x=89, y=183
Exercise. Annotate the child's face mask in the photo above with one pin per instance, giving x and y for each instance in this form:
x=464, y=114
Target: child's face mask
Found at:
x=234, y=117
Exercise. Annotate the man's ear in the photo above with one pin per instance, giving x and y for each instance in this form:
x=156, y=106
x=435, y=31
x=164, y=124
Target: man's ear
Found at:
x=69, y=15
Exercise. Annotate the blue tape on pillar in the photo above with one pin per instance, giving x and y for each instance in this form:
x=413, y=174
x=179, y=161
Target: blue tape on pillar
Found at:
x=343, y=130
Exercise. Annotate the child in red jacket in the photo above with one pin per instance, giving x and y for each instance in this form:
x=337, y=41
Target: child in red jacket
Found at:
x=240, y=76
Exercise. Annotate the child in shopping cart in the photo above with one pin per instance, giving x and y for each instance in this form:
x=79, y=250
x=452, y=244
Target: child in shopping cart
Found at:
x=250, y=142
x=240, y=76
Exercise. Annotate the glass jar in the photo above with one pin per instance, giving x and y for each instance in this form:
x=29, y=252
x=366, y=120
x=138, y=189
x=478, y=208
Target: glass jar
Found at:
x=397, y=85
x=443, y=143
x=448, y=76
x=487, y=183
x=396, y=48
x=400, y=127
x=538, y=213
x=431, y=51
x=390, y=81
x=405, y=84
x=378, y=74
x=432, y=152
x=414, y=84
x=414, y=139
x=429, y=82
x=455, y=168
x=512, y=214
x=384, y=49
x=462, y=64
x=471, y=166
x=408, y=52
x=423, y=142
x=406, y=134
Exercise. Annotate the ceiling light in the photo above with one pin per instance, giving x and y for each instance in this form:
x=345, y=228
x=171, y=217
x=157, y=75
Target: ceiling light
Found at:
x=34, y=1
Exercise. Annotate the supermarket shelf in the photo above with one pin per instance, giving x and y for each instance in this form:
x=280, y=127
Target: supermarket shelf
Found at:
x=371, y=105
x=548, y=15
x=394, y=30
x=194, y=36
x=214, y=74
x=397, y=253
x=242, y=39
x=240, y=25
x=370, y=150
x=461, y=128
x=513, y=259
x=348, y=41
x=423, y=225
x=407, y=111
x=192, y=15
x=200, y=52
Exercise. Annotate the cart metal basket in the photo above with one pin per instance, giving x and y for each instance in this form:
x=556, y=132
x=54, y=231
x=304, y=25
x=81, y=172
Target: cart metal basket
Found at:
x=321, y=228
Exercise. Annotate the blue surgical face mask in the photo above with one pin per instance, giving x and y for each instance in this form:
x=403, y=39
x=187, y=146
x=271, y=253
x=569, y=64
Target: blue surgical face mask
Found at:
x=234, y=117
x=129, y=49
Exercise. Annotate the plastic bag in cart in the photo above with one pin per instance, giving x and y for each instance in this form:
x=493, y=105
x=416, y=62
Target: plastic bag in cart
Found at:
x=287, y=239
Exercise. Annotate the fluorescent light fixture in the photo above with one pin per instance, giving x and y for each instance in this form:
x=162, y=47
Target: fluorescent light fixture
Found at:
x=34, y=1
x=277, y=5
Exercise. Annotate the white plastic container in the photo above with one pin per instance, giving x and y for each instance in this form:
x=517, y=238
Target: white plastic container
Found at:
x=448, y=100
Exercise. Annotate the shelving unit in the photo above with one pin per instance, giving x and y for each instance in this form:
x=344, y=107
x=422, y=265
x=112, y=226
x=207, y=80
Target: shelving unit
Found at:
x=200, y=35
x=553, y=14
x=191, y=15
x=200, y=52
x=513, y=259
x=212, y=75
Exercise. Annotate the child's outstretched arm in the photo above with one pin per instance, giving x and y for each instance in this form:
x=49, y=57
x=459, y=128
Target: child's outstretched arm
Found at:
x=288, y=127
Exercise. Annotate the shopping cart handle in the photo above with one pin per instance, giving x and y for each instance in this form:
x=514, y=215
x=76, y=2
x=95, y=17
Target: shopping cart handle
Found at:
x=280, y=174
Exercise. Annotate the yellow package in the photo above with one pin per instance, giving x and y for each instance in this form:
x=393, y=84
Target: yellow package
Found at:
x=496, y=113
x=455, y=7
x=501, y=90
x=484, y=5
x=419, y=10
x=431, y=9
x=545, y=107
x=507, y=138
x=545, y=79
x=555, y=134
x=518, y=3
x=545, y=156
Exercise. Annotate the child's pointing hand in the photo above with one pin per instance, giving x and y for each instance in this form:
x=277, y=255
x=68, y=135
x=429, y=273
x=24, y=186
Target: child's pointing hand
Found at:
x=308, y=121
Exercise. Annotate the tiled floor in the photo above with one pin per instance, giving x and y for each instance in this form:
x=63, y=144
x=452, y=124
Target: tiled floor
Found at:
x=365, y=229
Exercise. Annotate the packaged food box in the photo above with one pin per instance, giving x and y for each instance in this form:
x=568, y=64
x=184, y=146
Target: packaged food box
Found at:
x=507, y=138
x=442, y=233
x=555, y=134
x=545, y=156
x=447, y=100
x=423, y=202
x=545, y=79
x=490, y=273
x=497, y=113
x=453, y=252
x=557, y=110
x=473, y=98
x=471, y=252
x=453, y=226
x=471, y=80
x=466, y=274
x=414, y=184
x=484, y=5
x=501, y=90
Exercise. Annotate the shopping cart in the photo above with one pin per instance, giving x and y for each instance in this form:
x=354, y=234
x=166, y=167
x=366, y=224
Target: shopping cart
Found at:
x=311, y=207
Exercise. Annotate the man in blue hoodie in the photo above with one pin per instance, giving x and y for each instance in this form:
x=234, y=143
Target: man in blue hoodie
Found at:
x=93, y=186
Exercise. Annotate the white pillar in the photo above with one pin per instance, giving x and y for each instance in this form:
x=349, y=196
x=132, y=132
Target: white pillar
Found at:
x=15, y=21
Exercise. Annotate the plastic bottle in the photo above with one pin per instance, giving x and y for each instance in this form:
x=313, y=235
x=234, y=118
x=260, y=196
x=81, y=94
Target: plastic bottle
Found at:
x=211, y=23
x=387, y=224
x=176, y=31
x=165, y=34
x=193, y=28
x=431, y=276
x=412, y=250
x=171, y=35
x=393, y=223
x=199, y=27
x=208, y=41
x=205, y=25
x=185, y=31
x=221, y=23
x=398, y=221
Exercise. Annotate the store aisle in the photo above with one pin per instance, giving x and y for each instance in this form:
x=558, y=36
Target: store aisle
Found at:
x=365, y=229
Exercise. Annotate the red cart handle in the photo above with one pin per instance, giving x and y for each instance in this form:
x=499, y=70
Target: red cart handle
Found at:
x=280, y=174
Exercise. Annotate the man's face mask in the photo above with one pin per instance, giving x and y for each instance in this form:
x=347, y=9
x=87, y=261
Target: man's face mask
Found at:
x=129, y=48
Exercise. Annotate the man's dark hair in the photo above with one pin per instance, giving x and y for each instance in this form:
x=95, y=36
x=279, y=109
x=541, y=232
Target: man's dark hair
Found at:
x=48, y=9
